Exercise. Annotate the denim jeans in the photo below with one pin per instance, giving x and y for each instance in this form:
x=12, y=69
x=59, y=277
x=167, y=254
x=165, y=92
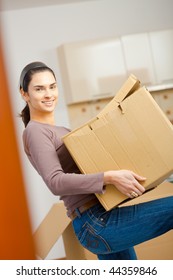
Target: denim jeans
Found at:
x=112, y=235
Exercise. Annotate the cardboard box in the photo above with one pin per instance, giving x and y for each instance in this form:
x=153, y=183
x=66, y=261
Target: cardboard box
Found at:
x=56, y=223
x=131, y=132
x=159, y=248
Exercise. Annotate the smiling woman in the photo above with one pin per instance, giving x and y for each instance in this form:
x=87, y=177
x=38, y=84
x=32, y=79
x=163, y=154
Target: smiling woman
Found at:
x=39, y=89
x=109, y=234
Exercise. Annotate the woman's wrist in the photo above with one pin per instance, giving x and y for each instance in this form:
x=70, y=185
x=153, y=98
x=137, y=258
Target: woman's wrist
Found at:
x=107, y=177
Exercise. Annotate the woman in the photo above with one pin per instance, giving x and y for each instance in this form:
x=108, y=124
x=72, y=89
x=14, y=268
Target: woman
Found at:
x=108, y=234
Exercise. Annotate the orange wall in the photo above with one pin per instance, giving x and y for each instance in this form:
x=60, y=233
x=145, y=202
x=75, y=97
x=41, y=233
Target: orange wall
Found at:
x=15, y=230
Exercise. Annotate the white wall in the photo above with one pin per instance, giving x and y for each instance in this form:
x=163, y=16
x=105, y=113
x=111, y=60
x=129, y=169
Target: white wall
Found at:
x=35, y=34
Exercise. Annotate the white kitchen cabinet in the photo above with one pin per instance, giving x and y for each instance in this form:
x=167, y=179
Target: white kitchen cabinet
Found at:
x=96, y=69
x=98, y=105
x=138, y=57
x=162, y=53
x=164, y=98
x=83, y=112
x=91, y=70
x=79, y=114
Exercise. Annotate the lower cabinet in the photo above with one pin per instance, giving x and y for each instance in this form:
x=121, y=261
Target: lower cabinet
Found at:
x=82, y=112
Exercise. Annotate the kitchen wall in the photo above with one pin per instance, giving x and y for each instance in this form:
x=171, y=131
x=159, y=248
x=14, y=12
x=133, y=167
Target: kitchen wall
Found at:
x=35, y=34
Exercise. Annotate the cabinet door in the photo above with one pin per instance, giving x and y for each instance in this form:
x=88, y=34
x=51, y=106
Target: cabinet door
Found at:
x=164, y=98
x=83, y=112
x=92, y=70
x=98, y=105
x=162, y=52
x=79, y=114
x=138, y=57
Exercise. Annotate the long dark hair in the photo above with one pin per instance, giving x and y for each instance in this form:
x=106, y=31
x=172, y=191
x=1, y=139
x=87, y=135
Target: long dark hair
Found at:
x=25, y=78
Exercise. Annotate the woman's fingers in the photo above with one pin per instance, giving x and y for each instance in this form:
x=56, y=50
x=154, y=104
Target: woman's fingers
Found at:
x=126, y=181
x=139, y=188
x=138, y=177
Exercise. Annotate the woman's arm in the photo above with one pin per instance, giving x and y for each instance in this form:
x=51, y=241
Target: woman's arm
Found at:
x=42, y=152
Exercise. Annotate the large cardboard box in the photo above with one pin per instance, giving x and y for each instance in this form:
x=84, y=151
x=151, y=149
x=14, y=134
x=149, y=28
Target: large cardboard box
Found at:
x=131, y=132
x=56, y=223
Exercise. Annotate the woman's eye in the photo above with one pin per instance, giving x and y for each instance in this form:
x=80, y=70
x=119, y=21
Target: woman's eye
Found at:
x=38, y=89
x=53, y=87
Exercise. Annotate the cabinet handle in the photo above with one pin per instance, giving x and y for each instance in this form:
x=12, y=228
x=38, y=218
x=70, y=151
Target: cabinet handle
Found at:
x=83, y=110
x=168, y=112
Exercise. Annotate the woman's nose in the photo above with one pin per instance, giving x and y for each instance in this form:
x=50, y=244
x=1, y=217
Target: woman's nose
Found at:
x=48, y=93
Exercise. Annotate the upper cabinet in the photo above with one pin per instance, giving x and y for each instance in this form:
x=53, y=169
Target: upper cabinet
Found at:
x=97, y=69
x=162, y=54
x=138, y=57
x=91, y=70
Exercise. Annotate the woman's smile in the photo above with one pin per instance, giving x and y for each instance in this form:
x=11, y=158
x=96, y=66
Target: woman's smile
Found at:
x=49, y=103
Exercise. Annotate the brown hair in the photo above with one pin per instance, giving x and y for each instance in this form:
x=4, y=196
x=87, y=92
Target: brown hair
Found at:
x=25, y=78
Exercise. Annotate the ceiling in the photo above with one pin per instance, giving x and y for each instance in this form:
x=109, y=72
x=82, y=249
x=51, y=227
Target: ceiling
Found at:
x=24, y=4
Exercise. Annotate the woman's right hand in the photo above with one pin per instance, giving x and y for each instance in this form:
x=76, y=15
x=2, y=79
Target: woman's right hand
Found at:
x=126, y=181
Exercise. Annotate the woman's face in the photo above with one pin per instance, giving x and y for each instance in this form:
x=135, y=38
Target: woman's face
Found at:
x=42, y=95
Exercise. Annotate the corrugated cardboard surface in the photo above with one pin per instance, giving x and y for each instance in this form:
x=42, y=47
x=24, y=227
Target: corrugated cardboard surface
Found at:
x=132, y=133
x=50, y=229
x=159, y=248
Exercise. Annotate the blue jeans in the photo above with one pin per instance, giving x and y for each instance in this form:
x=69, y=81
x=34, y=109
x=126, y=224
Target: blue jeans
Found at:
x=111, y=235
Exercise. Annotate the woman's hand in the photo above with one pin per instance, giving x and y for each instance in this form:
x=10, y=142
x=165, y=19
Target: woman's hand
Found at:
x=126, y=181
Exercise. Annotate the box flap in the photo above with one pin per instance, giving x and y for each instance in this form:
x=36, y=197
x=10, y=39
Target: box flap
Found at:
x=50, y=229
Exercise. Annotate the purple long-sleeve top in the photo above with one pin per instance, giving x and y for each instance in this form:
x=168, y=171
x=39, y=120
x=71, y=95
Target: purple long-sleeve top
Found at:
x=47, y=153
